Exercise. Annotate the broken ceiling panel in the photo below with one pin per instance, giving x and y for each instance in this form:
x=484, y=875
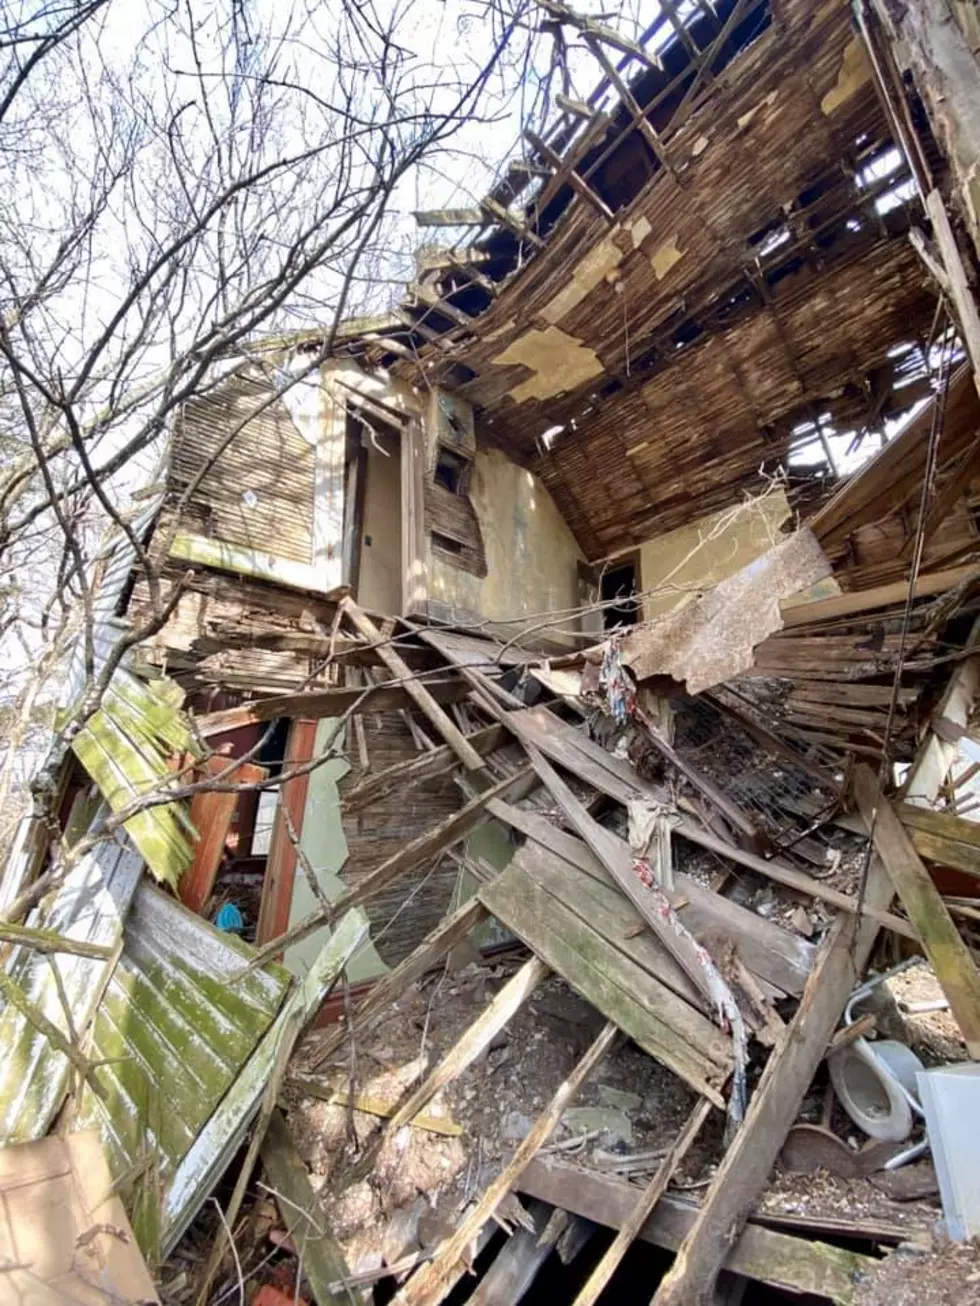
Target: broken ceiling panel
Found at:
x=712, y=639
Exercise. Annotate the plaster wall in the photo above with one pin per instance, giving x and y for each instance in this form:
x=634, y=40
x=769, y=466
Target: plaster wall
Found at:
x=532, y=557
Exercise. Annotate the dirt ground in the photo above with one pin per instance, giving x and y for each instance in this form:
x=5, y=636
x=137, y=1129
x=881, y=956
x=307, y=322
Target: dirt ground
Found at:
x=948, y=1276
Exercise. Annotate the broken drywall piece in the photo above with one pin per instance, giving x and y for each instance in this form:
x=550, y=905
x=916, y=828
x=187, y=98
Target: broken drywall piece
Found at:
x=712, y=639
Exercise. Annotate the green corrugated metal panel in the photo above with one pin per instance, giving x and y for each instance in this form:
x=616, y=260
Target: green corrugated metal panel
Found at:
x=177, y=1026
x=91, y=905
x=128, y=747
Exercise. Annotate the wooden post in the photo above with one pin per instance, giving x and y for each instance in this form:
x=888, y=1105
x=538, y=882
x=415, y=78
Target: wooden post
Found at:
x=649, y=1198
x=949, y=955
x=434, y=1280
x=280, y=874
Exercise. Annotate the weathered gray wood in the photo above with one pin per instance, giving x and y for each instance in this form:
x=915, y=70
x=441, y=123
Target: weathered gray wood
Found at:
x=90, y=907
x=780, y=960
x=775, y=1104
x=645, y=1204
x=221, y=1137
x=951, y=960
x=514, y=1267
x=416, y=691
x=782, y=1260
x=300, y=1210
x=417, y=852
x=417, y=770
x=652, y=1015
x=431, y=1283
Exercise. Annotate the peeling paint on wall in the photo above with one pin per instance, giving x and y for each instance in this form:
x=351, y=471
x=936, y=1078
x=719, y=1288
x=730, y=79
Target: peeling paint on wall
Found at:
x=558, y=361
x=664, y=257
x=532, y=556
x=746, y=118
x=593, y=269
x=854, y=72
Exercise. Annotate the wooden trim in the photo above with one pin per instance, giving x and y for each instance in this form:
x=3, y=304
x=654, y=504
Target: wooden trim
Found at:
x=280, y=873
x=414, y=571
x=211, y=815
x=221, y=556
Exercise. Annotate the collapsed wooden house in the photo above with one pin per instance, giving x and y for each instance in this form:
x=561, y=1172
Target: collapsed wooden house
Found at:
x=480, y=623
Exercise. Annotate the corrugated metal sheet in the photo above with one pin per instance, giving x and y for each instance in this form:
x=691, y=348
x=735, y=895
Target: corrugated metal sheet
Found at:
x=175, y=1026
x=259, y=492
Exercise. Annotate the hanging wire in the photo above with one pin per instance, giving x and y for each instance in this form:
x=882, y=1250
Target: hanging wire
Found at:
x=947, y=338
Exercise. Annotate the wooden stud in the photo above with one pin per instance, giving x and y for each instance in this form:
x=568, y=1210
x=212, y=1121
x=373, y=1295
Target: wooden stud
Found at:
x=417, y=692
x=954, y=966
x=280, y=874
x=450, y=931
x=742, y=1175
x=302, y=1214
x=211, y=815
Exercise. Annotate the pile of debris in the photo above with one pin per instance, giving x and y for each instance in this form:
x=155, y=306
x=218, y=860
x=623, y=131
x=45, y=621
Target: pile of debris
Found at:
x=699, y=898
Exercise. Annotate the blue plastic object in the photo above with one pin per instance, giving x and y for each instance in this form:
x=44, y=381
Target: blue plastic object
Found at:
x=230, y=919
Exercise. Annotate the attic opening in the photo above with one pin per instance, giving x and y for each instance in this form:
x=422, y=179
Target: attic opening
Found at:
x=618, y=587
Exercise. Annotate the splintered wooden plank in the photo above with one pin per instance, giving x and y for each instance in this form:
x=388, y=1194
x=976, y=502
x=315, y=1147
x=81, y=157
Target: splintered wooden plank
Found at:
x=645, y=1203
x=433, y=1281
x=951, y=960
x=663, y=1024
x=386, y=990
x=91, y=906
x=779, y=960
x=219, y=1140
x=211, y=816
x=416, y=691
x=475, y=1040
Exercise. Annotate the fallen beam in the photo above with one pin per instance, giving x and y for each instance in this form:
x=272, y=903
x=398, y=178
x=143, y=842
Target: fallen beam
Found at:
x=416, y=691
x=784, y=1261
x=431, y=1283
x=951, y=960
x=316, y=704
x=645, y=1204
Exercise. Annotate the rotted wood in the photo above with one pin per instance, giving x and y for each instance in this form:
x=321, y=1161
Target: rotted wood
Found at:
x=515, y=1266
x=428, y=846
x=430, y=1284
x=317, y=704
x=951, y=960
x=474, y=1041
x=300, y=1210
x=417, y=770
x=645, y=1204
x=416, y=691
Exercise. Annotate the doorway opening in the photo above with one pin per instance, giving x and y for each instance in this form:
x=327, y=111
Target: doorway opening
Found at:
x=618, y=586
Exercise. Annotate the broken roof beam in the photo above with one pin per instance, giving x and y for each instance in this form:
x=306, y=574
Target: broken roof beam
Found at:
x=640, y=120
x=507, y=219
x=600, y=33
x=565, y=172
x=449, y=218
x=438, y=258
x=440, y=304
